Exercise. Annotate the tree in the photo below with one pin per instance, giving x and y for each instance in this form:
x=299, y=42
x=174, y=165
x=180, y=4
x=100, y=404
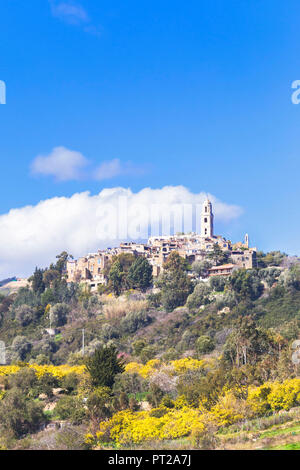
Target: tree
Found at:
x=20, y=348
x=174, y=283
x=62, y=261
x=155, y=396
x=246, y=284
x=273, y=258
x=199, y=297
x=201, y=268
x=140, y=274
x=58, y=314
x=218, y=283
x=47, y=297
x=218, y=256
x=133, y=404
x=37, y=281
x=176, y=263
x=116, y=277
x=25, y=314
x=103, y=366
x=269, y=275
x=130, y=383
x=47, y=382
x=50, y=276
x=118, y=273
x=98, y=406
x=247, y=343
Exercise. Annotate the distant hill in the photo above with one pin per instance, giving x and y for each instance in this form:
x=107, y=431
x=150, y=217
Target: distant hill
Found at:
x=6, y=281
x=7, y=286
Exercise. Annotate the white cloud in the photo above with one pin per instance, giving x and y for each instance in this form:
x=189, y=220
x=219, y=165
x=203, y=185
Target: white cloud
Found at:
x=70, y=12
x=108, y=170
x=112, y=168
x=33, y=235
x=74, y=14
x=62, y=163
x=65, y=164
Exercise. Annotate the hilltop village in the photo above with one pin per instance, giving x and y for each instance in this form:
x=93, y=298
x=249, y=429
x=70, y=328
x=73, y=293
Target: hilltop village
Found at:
x=120, y=360
x=91, y=269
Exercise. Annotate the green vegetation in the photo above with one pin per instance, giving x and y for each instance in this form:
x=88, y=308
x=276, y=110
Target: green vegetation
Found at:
x=103, y=366
x=173, y=346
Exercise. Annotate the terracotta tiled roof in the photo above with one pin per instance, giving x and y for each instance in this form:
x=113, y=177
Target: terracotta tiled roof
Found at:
x=223, y=266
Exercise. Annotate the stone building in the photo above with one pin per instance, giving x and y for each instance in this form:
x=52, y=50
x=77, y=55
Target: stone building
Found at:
x=91, y=269
x=223, y=270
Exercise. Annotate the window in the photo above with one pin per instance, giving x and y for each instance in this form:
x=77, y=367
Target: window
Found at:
x=205, y=220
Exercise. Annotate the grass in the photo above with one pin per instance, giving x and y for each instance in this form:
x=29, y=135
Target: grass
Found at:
x=295, y=446
x=294, y=430
x=279, y=432
x=115, y=309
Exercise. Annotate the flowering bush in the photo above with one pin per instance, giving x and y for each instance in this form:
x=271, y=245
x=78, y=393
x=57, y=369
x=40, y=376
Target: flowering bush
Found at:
x=177, y=367
x=229, y=410
x=187, y=363
x=274, y=396
x=127, y=427
x=56, y=371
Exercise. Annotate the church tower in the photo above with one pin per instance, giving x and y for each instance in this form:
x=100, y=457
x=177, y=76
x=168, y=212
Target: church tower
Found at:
x=207, y=220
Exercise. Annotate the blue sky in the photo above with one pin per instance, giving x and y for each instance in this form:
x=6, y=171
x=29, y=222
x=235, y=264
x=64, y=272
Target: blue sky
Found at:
x=165, y=93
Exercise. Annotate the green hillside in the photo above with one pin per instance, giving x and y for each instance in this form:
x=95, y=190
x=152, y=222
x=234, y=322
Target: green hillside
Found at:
x=206, y=362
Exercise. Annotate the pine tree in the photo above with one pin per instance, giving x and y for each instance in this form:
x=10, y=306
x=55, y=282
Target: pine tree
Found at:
x=103, y=366
x=140, y=274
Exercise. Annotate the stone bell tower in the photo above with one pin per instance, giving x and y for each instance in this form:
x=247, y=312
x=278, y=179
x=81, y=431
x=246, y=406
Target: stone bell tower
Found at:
x=246, y=242
x=207, y=220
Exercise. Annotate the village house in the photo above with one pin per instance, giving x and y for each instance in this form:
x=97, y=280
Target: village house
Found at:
x=223, y=270
x=92, y=269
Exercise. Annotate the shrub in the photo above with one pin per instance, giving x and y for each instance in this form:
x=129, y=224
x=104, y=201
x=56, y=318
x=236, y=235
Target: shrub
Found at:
x=133, y=321
x=46, y=383
x=148, y=353
x=71, y=409
x=218, y=283
x=154, y=299
x=130, y=383
x=58, y=314
x=70, y=382
x=70, y=438
x=168, y=402
x=98, y=406
x=25, y=379
x=201, y=268
x=204, y=439
x=24, y=315
x=199, y=297
x=246, y=284
x=20, y=348
x=19, y=415
x=205, y=344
